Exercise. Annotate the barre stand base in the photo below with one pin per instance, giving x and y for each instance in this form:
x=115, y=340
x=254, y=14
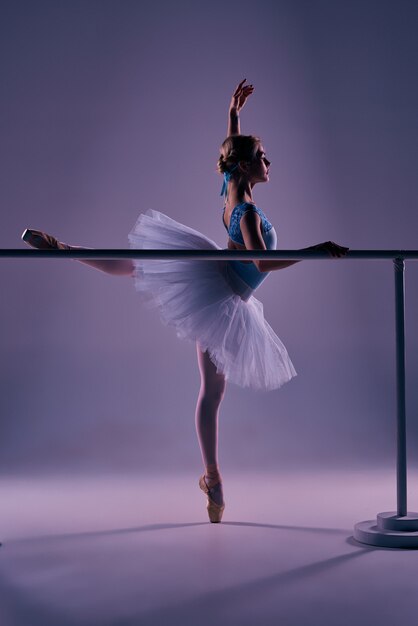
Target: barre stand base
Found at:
x=390, y=530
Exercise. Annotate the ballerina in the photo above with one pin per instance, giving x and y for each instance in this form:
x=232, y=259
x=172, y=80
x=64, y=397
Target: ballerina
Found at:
x=211, y=302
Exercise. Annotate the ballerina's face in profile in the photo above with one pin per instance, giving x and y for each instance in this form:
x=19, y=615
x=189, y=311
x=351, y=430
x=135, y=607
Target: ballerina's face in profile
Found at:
x=258, y=171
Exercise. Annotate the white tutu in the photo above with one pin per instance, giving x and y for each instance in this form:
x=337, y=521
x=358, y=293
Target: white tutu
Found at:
x=207, y=302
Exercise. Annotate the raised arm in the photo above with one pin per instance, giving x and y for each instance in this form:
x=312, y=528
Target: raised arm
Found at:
x=239, y=98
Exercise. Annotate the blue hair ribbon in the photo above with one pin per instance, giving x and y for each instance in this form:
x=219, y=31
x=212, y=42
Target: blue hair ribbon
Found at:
x=227, y=178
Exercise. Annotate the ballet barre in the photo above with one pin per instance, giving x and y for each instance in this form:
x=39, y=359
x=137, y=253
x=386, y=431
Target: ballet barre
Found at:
x=205, y=255
x=392, y=529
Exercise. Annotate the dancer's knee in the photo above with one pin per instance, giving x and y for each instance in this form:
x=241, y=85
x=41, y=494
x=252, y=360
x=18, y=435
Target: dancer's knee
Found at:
x=213, y=394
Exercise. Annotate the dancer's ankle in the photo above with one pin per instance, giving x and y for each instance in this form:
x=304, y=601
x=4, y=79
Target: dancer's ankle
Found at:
x=212, y=475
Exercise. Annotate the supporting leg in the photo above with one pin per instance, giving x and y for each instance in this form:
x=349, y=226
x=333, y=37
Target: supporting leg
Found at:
x=212, y=391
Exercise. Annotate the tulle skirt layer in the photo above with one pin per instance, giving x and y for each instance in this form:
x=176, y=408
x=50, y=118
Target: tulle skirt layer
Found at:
x=207, y=302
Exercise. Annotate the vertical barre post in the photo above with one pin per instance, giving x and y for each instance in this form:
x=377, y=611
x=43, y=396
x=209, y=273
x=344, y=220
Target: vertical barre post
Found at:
x=399, y=266
x=395, y=529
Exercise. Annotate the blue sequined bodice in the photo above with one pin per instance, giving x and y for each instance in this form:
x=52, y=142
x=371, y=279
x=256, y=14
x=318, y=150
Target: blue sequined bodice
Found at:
x=248, y=272
x=234, y=228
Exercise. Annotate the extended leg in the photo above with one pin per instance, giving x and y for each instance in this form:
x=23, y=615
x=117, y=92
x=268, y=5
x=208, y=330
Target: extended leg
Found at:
x=43, y=241
x=118, y=267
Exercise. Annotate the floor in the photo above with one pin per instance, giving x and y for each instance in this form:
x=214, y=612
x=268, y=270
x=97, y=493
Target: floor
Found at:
x=133, y=551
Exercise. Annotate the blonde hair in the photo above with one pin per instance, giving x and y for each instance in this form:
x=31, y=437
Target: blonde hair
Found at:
x=237, y=148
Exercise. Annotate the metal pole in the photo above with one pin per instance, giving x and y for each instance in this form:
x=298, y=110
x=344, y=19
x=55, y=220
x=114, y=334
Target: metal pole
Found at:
x=399, y=266
x=202, y=255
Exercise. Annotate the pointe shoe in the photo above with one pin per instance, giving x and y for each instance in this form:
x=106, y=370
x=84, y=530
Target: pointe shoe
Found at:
x=42, y=241
x=215, y=511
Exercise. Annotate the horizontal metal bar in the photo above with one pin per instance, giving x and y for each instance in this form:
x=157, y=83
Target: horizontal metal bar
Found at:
x=204, y=255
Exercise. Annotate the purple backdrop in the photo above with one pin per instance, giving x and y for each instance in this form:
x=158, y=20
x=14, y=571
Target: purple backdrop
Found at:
x=109, y=108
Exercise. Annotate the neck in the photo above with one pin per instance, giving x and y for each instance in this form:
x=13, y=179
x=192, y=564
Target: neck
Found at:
x=239, y=192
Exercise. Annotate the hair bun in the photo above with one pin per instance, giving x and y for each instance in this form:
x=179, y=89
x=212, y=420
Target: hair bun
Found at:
x=237, y=148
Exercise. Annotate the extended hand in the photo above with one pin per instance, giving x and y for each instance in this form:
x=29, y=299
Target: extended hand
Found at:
x=332, y=248
x=240, y=95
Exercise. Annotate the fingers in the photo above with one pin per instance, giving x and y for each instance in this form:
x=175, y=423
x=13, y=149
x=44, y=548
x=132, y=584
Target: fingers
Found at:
x=344, y=250
x=247, y=89
x=243, y=89
x=340, y=251
x=335, y=250
x=239, y=87
x=331, y=247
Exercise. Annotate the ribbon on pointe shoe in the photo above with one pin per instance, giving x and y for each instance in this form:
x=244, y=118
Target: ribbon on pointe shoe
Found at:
x=212, y=475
